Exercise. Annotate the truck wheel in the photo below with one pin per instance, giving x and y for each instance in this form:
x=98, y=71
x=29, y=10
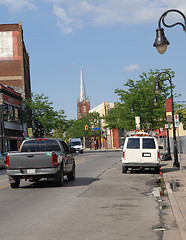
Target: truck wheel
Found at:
x=71, y=175
x=15, y=184
x=124, y=169
x=61, y=178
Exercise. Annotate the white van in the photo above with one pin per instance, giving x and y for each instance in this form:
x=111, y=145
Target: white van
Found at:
x=141, y=151
x=76, y=144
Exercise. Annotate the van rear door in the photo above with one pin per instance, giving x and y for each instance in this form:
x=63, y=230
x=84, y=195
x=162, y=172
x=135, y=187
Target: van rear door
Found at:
x=148, y=150
x=133, y=153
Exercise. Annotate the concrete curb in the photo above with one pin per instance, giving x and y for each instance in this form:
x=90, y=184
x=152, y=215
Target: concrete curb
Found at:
x=176, y=210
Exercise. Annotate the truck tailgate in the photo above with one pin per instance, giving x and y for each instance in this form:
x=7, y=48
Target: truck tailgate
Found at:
x=30, y=160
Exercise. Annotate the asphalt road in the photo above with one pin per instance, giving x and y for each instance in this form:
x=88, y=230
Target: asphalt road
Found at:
x=102, y=203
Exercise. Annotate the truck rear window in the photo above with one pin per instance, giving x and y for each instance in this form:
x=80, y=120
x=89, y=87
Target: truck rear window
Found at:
x=133, y=143
x=148, y=143
x=41, y=146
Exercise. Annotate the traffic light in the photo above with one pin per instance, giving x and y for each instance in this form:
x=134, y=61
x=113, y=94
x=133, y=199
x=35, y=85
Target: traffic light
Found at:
x=176, y=120
x=86, y=127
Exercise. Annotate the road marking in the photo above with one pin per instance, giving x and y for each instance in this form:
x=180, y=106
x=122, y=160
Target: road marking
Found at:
x=81, y=161
x=91, y=155
x=4, y=186
x=4, y=180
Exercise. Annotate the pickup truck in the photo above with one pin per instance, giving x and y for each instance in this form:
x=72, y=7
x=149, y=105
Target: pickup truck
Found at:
x=48, y=158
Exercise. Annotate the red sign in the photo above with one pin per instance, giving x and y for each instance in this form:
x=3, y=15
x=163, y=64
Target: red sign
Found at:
x=11, y=100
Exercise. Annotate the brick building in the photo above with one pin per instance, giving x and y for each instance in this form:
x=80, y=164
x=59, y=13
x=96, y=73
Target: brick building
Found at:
x=14, y=59
x=11, y=126
x=83, y=105
x=14, y=85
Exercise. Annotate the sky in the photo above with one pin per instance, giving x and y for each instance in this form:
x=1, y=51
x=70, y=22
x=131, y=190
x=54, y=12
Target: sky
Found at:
x=112, y=40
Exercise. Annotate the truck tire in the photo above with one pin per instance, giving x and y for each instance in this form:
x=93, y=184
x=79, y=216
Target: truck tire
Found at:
x=72, y=174
x=15, y=184
x=60, y=179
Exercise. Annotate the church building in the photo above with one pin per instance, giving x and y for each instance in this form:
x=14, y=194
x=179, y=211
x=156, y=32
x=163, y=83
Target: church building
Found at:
x=83, y=104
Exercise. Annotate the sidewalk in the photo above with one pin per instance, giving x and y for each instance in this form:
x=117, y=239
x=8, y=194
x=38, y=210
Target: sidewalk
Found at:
x=175, y=181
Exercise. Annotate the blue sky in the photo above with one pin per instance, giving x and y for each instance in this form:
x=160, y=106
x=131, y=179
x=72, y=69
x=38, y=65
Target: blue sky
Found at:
x=111, y=39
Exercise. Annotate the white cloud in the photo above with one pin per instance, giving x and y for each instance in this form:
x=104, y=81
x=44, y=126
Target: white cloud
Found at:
x=131, y=68
x=66, y=23
x=18, y=5
x=74, y=14
x=110, y=12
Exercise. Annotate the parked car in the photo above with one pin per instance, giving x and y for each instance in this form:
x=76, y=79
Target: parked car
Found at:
x=2, y=164
x=141, y=151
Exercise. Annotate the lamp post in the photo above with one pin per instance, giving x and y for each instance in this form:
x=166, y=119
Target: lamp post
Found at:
x=161, y=41
x=132, y=111
x=157, y=91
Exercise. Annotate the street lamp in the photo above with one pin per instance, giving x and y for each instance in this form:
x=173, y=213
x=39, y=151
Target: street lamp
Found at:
x=132, y=110
x=161, y=41
x=157, y=90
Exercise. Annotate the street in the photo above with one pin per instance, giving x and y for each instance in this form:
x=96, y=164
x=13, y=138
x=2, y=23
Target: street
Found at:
x=102, y=203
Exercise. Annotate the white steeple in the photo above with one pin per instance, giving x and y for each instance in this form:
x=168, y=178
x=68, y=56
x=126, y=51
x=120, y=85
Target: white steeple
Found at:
x=82, y=88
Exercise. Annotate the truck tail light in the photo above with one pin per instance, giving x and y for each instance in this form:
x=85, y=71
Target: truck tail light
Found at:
x=158, y=155
x=54, y=159
x=7, y=161
x=123, y=154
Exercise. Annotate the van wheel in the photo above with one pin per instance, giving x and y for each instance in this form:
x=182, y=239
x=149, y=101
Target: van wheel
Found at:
x=157, y=170
x=124, y=169
x=15, y=184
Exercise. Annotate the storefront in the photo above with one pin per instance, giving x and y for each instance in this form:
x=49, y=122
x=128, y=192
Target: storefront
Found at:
x=11, y=130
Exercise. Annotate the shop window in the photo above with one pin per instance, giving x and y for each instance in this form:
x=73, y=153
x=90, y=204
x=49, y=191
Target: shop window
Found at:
x=16, y=112
x=11, y=113
x=5, y=111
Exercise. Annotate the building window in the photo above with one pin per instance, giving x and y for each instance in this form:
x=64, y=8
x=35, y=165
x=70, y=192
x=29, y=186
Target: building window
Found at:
x=5, y=111
x=16, y=111
x=84, y=109
x=10, y=113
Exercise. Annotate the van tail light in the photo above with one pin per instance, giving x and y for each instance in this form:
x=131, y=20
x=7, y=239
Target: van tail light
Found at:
x=123, y=154
x=158, y=155
x=7, y=161
x=54, y=159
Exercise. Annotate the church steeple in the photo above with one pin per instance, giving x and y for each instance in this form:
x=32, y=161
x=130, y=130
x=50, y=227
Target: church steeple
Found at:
x=82, y=87
x=83, y=105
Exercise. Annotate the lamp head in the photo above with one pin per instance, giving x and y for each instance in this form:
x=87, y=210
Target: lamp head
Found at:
x=161, y=41
x=155, y=101
x=132, y=109
x=157, y=88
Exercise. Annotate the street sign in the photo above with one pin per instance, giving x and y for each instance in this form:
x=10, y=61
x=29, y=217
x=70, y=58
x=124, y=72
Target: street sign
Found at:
x=86, y=127
x=96, y=128
x=166, y=125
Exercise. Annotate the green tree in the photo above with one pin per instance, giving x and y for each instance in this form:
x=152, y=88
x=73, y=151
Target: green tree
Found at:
x=44, y=118
x=181, y=111
x=140, y=95
x=77, y=128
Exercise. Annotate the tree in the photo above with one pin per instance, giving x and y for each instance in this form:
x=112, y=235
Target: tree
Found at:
x=181, y=111
x=77, y=129
x=43, y=116
x=140, y=95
